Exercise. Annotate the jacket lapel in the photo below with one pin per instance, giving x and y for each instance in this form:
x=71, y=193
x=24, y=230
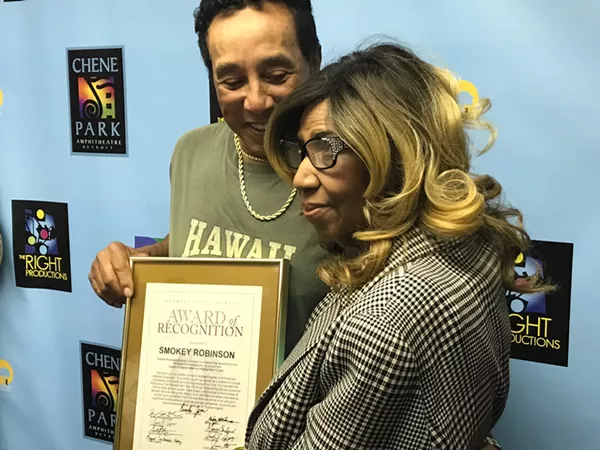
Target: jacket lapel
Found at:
x=311, y=337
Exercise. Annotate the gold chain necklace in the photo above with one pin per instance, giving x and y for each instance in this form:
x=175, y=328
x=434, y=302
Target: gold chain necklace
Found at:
x=240, y=152
x=247, y=155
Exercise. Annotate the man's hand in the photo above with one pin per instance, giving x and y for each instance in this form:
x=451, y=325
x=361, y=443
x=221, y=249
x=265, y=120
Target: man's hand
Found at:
x=110, y=275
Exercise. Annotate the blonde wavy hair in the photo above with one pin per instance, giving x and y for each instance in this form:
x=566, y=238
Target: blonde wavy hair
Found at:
x=402, y=117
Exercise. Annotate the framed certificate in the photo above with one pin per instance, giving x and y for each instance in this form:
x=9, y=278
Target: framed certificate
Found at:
x=202, y=339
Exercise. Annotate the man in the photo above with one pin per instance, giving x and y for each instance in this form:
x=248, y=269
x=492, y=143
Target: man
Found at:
x=257, y=52
x=226, y=201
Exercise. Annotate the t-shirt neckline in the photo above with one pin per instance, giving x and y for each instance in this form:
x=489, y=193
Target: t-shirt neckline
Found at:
x=249, y=166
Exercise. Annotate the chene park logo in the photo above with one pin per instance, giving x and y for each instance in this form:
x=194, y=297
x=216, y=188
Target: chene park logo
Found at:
x=100, y=367
x=97, y=99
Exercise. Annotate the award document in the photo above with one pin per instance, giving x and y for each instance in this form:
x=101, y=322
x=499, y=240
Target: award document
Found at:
x=199, y=347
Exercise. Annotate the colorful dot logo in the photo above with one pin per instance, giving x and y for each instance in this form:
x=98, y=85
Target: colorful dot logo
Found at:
x=41, y=233
x=526, y=267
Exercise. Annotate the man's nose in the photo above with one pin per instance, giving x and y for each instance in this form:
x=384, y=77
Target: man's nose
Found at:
x=258, y=101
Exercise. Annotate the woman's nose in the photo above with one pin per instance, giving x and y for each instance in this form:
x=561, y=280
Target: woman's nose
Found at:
x=306, y=177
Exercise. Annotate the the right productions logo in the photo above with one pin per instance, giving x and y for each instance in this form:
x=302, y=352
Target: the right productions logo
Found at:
x=540, y=322
x=41, y=245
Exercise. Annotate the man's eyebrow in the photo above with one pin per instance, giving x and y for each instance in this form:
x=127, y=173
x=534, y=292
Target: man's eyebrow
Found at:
x=225, y=69
x=279, y=59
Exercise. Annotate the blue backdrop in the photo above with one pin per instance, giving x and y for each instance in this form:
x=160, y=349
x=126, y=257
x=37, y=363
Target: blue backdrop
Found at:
x=537, y=60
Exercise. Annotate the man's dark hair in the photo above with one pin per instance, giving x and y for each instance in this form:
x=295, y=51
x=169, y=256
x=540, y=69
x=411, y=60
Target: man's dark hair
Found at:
x=306, y=31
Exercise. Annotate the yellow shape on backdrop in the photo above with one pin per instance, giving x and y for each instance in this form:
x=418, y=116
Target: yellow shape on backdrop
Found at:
x=469, y=88
x=1, y=97
x=5, y=380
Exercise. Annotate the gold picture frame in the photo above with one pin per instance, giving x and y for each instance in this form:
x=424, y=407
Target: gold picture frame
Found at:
x=271, y=274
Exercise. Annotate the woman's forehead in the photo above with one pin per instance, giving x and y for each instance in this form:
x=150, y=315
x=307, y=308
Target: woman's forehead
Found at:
x=315, y=119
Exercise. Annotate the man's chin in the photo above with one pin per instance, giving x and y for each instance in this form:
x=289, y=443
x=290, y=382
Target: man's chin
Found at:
x=252, y=135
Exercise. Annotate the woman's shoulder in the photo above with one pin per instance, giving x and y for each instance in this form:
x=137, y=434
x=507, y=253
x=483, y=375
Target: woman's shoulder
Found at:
x=443, y=287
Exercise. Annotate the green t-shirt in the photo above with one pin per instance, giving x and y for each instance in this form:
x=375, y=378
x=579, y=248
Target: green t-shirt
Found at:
x=209, y=218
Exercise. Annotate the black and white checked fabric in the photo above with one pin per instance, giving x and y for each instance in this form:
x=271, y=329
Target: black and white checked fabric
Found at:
x=416, y=359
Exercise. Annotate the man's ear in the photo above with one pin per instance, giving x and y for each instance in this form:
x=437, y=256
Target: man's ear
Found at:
x=315, y=63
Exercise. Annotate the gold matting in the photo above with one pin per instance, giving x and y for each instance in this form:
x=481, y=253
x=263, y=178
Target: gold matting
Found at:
x=271, y=274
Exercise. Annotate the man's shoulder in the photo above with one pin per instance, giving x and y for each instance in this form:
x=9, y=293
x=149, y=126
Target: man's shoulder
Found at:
x=203, y=137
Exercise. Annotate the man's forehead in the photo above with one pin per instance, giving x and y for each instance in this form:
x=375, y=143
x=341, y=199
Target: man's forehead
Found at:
x=260, y=33
x=226, y=58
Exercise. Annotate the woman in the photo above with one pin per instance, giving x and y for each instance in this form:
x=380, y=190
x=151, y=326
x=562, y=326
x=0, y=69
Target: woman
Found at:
x=410, y=349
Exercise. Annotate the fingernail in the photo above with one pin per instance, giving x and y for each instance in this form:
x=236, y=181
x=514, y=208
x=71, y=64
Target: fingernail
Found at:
x=127, y=292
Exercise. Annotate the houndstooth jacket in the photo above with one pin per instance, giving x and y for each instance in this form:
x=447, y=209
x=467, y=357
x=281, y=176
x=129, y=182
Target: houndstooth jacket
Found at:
x=416, y=359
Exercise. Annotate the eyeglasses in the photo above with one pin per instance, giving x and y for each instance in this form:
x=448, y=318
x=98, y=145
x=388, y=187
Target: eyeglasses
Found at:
x=321, y=151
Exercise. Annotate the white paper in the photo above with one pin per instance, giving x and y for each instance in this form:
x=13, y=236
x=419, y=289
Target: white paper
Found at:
x=198, y=366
